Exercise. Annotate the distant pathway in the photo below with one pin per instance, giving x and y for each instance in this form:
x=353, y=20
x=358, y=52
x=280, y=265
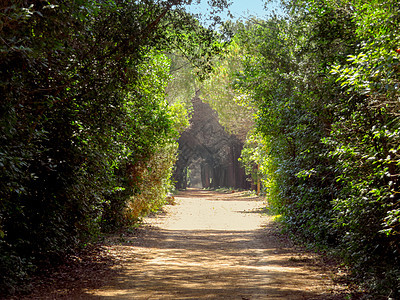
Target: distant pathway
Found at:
x=208, y=246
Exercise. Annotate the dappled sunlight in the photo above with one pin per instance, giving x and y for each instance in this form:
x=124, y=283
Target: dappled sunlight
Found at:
x=204, y=264
x=210, y=249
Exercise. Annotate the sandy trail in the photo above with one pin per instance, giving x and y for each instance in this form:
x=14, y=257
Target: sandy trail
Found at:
x=208, y=246
x=212, y=246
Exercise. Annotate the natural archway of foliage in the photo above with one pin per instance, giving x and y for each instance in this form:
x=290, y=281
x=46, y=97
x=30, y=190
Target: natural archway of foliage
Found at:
x=84, y=123
x=88, y=136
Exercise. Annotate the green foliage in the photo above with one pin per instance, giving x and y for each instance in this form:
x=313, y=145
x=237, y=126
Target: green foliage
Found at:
x=179, y=115
x=365, y=142
x=182, y=87
x=154, y=183
x=291, y=120
x=147, y=115
x=252, y=157
x=234, y=109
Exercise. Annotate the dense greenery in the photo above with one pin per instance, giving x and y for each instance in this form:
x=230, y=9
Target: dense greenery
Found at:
x=324, y=82
x=87, y=138
x=88, y=134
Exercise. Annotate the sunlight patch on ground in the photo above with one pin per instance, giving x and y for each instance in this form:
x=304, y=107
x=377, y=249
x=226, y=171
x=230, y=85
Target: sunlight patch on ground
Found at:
x=211, y=246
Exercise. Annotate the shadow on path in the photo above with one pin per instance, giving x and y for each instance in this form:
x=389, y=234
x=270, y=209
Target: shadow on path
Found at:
x=207, y=247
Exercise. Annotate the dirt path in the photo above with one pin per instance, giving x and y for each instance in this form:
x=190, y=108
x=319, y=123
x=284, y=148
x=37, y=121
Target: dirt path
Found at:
x=207, y=246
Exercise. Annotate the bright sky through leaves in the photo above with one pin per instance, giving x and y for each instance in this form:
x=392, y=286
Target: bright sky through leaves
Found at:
x=240, y=9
